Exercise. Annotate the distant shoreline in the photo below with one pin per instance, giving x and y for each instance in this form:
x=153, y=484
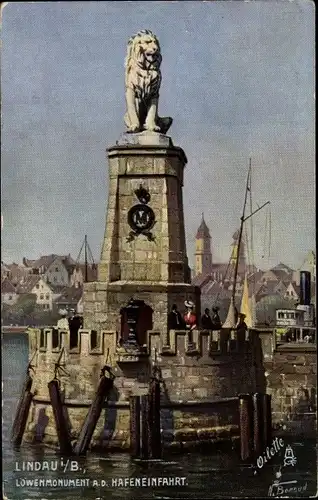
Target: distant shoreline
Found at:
x=19, y=329
x=13, y=329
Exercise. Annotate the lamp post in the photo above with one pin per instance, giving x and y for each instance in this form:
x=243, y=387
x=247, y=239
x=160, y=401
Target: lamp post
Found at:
x=132, y=311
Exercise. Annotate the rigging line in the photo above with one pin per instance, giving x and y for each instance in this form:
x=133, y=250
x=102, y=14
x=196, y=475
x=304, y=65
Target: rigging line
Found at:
x=265, y=234
x=90, y=254
x=270, y=233
x=79, y=255
x=219, y=293
x=252, y=234
x=247, y=247
x=243, y=219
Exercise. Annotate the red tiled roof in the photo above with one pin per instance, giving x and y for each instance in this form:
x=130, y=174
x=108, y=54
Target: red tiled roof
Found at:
x=46, y=260
x=57, y=289
x=7, y=286
x=200, y=279
x=282, y=267
x=28, y=262
x=17, y=272
x=283, y=275
x=70, y=294
x=28, y=284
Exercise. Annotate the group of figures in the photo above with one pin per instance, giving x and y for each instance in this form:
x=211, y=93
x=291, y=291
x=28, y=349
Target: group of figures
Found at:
x=70, y=321
x=188, y=321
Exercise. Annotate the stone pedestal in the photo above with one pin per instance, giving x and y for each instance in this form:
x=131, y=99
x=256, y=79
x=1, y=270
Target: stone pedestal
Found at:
x=152, y=267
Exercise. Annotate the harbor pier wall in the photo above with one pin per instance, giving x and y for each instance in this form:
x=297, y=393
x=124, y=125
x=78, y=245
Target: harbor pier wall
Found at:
x=200, y=383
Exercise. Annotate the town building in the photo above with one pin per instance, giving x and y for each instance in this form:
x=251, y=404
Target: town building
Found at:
x=44, y=292
x=78, y=277
x=54, y=269
x=69, y=298
x=16, y=273
x=9, y=295
x=278, y=285
x=206, y=270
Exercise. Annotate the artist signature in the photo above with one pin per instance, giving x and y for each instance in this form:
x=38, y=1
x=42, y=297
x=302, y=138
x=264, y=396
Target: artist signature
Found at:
x=286, y=488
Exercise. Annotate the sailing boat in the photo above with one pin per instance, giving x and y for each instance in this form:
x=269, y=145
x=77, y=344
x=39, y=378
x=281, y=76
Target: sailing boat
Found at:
x=231, y=319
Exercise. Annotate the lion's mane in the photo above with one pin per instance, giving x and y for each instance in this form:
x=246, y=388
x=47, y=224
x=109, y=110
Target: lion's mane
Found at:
x=144, y=78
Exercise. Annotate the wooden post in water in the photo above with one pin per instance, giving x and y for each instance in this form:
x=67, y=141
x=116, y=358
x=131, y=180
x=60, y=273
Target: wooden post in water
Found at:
x=59, y=417
x=134, y=403
x=267, y=429
x=27, y=385
x=21, y=419
x=103, y=390
x=154, y=419
x=144, y=441
x=258, y=424
x=246, y=426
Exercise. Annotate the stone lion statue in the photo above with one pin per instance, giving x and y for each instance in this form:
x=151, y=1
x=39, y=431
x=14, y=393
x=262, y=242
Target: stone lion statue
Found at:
x=143, y=79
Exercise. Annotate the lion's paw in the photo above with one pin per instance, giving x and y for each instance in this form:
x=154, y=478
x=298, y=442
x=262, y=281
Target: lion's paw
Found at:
x=152, y=127
x=134, y=128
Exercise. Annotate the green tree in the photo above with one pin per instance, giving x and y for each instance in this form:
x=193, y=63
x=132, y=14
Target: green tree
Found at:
x=25, y=303
x=41, y=317
x=20, y=312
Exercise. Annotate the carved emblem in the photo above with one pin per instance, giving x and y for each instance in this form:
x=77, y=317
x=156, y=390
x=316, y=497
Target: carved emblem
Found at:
x=141, y=218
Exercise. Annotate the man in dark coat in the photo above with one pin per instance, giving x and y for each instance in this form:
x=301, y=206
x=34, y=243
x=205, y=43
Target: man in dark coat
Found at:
x=75, y=323
x=241, y=325
x=206, y=321
x=175, y=320
x=216, y=322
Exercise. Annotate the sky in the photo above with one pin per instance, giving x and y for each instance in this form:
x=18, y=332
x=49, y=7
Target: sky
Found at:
x=238, y=80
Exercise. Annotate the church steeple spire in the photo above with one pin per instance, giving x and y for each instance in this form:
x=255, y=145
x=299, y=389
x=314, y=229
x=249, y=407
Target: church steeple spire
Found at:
x=203, y=230
x=203, y=254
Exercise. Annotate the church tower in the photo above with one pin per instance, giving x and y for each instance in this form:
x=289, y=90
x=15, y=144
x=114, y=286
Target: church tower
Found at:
x=203, y=254
x=234, y=250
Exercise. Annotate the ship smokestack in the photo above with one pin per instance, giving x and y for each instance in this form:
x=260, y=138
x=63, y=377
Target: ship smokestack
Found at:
x=305, y=285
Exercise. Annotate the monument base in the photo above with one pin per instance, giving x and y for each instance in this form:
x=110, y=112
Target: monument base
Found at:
x=103, y=302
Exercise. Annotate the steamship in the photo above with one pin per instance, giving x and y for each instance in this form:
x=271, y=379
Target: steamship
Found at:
x=299, y=324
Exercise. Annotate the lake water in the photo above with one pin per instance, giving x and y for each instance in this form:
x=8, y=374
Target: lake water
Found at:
x=214, y=475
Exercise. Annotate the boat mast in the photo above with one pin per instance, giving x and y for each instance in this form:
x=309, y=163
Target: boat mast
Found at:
x=85, y=253
x=230, y=320
x=241, y=232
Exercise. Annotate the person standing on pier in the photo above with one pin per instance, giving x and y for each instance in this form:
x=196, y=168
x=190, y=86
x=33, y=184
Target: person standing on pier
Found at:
x=190, y=318
x=216, y=322
x=206, y=320
x=175, y=320
x=62, y=323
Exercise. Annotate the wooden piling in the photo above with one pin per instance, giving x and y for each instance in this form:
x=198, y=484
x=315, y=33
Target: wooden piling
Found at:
x=258, y=424
x=104, y=387
x=27, y=385
x=154, y=419
x=21, y=419
x=246, y=426
x=134, y=404
x=267, y=428
x=145, y=434
x=59, y=417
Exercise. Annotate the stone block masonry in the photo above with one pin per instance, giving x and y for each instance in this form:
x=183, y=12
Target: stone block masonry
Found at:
x=189, y=384
x=153, y=269
x=291, y=380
